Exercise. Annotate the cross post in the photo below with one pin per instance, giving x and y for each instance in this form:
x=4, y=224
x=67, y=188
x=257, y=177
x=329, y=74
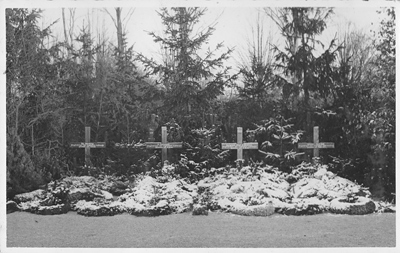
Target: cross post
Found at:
x=239, y=146
x=164, y=145
x=87, y=145
x=316, y=145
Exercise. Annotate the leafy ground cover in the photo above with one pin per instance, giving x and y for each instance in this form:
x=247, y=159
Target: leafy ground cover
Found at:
x=215, y=230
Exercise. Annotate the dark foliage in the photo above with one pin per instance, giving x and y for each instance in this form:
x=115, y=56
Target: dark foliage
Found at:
x=55, y=91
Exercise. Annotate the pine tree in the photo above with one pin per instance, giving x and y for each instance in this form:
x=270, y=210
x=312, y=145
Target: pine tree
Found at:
x=30, y=76
x=258, y=94
x=382, y=120
x=23, y=176
x=192, y=77
x=256, y=67
x=306, y=80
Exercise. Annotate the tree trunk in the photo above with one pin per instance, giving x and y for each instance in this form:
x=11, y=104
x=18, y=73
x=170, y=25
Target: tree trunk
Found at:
x=119, y=30
x=33, y=141
x=182, y=60
x=65, y=28
x=72, y=25
x=99, y=113
x=16, y=118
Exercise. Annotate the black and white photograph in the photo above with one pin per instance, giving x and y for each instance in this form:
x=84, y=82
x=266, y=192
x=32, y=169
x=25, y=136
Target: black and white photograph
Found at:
x=215, y=126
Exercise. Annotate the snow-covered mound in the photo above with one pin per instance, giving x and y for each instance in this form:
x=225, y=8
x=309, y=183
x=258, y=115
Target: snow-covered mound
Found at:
x=61, y=196
x=309, y=193
x=309, y=189
x=156, y=198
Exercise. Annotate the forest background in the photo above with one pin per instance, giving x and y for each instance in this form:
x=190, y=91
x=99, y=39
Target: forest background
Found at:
x=343, y=82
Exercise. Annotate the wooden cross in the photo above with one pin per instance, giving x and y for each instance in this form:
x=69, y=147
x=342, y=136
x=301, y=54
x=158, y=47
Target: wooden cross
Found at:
x=316, y=145
x=164, y=145
x=240, y=145
x=88, y=145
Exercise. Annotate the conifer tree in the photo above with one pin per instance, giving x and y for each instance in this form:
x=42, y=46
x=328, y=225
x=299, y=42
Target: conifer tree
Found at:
x=382, y=120
x=28, y=75
x=306, y=79
x=194, y=76
x=256, y=66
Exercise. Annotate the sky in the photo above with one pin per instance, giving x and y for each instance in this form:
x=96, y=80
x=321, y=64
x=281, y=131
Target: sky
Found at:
x=233, y=19
x=233, y=24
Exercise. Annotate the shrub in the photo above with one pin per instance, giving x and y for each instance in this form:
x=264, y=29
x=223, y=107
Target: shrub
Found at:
x=279, y=142
x=22, y=175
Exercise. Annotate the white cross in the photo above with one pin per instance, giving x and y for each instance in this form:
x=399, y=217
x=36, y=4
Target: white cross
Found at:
x=164, y=145
x=316, y=145
x=88, y=145
x=240, y=145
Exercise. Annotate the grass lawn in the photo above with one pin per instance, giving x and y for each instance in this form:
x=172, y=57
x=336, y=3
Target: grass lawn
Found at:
x=215, y=230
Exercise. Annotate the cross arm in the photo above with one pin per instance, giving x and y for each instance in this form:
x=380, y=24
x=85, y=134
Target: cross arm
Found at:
x=247, y=145
x=159, y=145
x=88, y=145
x=303, y=145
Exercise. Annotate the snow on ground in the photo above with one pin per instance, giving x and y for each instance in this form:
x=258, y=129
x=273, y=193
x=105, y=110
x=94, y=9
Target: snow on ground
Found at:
x=239, y=191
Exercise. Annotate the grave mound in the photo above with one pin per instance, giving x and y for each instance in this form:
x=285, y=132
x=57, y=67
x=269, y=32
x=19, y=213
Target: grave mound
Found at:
x=243, y=191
